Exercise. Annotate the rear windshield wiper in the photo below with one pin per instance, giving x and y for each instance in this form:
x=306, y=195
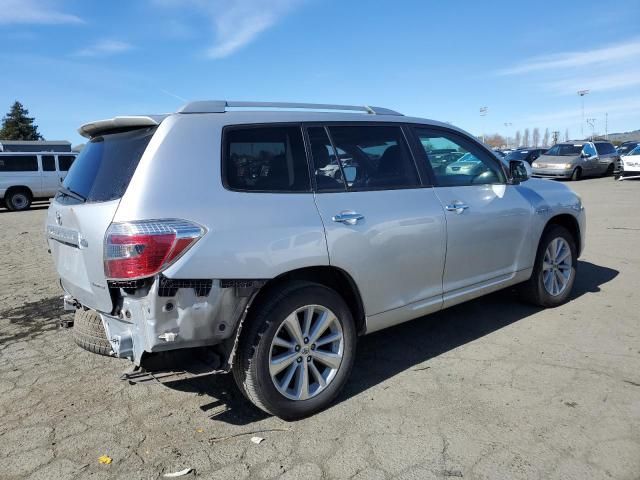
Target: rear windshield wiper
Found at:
x=70, y=193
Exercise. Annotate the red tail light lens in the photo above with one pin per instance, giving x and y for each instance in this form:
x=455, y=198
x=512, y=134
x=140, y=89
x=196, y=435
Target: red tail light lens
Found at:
x=142, y=249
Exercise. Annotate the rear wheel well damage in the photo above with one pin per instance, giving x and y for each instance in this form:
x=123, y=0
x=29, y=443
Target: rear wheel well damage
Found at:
x=570, y=223
x=331, y=277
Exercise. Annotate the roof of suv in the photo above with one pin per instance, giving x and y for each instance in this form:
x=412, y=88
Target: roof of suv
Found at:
x=260, y=112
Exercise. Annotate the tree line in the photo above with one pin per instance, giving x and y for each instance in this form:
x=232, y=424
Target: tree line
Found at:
x=527, y=138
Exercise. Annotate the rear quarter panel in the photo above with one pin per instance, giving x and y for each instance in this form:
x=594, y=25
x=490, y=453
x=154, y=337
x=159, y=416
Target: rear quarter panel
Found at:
x=249, y=235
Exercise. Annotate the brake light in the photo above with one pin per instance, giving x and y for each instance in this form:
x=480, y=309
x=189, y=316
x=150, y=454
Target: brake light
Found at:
x=141, y=249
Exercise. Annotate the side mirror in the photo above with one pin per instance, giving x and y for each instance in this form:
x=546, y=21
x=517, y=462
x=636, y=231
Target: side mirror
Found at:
x=520, y=171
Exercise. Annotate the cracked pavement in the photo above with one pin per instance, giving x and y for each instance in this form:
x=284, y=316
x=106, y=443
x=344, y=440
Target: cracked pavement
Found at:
x=492, y=389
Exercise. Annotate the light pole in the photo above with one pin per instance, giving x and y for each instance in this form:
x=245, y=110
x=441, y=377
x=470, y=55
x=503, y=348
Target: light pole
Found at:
x=483, y=113
x=582, y=93
x=507, y=125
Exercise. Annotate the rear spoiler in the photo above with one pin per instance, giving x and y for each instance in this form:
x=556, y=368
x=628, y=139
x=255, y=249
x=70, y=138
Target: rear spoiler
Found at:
x=99, y=127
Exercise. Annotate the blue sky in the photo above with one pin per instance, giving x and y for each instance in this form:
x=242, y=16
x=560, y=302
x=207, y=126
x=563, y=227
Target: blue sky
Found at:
x=72, y=61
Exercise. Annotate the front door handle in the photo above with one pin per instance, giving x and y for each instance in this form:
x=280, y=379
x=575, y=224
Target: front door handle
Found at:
x=348, y=217
x=457, y=207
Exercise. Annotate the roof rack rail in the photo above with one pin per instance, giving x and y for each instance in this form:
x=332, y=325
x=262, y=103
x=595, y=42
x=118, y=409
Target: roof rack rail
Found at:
x=221, y=106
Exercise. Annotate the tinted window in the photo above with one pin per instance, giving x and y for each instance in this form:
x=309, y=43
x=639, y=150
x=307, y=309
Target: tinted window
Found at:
x=604, y=148
x=48, y=163
x=65, y=162
x=564, y=150
x=374, y=157
x=464, y=162
x=626, y=147
x=103, y=170
x=18, y=163
x=269, y=159
x=326, y=166
x=517, y=155
x=589, y=150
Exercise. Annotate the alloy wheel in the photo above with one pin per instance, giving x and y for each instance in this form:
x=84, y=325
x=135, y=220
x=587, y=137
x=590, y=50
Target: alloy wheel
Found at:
x=557, y=266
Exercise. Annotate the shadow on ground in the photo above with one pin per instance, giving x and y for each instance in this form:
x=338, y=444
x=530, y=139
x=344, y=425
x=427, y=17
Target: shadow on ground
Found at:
x=384, y=354
x=30, y=320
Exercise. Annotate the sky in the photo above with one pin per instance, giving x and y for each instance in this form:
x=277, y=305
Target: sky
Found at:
x=73, y=61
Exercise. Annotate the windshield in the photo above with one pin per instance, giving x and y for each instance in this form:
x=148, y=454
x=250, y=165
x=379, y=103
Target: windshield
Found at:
x=635, y=151
x=103, y=170
x=517, y=155
x=627, y=148
x=564, y=150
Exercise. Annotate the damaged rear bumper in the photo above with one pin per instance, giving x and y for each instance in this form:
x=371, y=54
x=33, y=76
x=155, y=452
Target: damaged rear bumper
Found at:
x=177, y=314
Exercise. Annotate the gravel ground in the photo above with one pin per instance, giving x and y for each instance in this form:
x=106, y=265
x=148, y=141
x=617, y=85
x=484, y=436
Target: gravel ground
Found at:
x=492, y=389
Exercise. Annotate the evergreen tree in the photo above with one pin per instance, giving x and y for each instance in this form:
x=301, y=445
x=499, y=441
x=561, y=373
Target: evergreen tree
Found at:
x=17, y=125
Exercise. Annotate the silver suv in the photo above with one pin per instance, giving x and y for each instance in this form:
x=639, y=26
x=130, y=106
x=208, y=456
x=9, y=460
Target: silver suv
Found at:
x=270, y=236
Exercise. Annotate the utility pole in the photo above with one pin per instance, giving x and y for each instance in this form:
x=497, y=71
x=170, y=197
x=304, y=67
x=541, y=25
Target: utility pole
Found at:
x=555, y=135
x=582, y=93
x=483, y=113
x=606, y=126
x=507, y=125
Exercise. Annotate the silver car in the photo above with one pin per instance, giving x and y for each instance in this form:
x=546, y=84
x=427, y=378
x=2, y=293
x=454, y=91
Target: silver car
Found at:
x=575, y=160
x=219, y=232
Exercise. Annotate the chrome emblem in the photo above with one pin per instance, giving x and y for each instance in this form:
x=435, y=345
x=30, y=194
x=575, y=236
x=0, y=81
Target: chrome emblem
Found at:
x=58, y=219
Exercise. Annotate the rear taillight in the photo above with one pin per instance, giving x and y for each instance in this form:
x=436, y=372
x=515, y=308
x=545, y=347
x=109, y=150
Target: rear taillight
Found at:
x=142, y=249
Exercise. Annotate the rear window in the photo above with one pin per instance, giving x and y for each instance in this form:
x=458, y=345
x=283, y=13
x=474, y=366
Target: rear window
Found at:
x=265, y=159
x=18, y=163
x=103, y=170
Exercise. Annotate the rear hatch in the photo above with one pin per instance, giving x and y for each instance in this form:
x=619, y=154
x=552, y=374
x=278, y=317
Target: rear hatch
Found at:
x=84, y=207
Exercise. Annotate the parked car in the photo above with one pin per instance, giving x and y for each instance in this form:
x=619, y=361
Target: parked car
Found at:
x=222, y=230
x=575, y=160
x=528, y=155
x=626, y=147
x=629, y=164
x=25, y=177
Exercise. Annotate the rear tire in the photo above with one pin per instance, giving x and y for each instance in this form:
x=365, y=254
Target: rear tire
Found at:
x=577, y=174
x=89, y=333
x=253, y=368
x=537, y=289
x=610, y=170
x=18, y=199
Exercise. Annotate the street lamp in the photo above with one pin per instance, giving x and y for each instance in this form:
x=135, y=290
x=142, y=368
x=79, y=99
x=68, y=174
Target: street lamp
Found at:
x=483, y=113
x=582, y=93
x=507, y=125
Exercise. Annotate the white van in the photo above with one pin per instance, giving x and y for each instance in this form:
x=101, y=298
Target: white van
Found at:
x=27, y=176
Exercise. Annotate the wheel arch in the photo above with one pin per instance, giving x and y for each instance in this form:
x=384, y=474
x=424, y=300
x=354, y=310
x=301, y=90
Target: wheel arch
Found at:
x=569, y=222
x=13, y=188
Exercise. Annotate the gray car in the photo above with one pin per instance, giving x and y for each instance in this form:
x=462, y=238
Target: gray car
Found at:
x=219, y=233
x=575, y=160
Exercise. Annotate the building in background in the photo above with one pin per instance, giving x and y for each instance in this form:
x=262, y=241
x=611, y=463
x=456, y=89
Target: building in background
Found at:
x=35, y=146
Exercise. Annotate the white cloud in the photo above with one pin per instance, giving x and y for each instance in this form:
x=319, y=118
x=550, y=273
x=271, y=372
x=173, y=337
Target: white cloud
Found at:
x=611, y=55
x=620, y=107
x=236, y=23
x=611, y=80
x=104, y=48
x=33, y=12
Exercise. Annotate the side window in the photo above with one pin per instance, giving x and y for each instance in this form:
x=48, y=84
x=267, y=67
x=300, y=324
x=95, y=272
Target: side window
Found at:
x=589, y=150
x=48, y=163
x=18, y=163
x=374, y=157
x=267, y=159
x=456, y=161
x=326, y=166
x=65, y=162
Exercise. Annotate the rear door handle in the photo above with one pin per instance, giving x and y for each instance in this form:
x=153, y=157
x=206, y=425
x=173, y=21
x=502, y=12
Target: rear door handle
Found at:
x=457, y=207
x=348, y=217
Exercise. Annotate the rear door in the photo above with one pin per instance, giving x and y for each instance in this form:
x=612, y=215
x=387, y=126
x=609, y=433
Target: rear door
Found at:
x=20, y=170
x=82, y=211
x=382, y=225
x=487, y=220
x=51, y=180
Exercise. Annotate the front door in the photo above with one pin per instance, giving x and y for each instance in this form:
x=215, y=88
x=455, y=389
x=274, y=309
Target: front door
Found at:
x=487, y=220
x=382, y=226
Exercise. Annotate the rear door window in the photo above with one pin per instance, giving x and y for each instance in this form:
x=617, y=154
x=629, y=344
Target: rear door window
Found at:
x=104, y=168
x=48, y=163
x=18, y=163
x=373, y=157
x=265, y=159
x=65, y=162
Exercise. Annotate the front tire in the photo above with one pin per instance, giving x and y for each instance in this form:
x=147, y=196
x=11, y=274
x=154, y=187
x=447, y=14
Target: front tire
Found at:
x=577, y=174
x=554, y=271
x=297, y=350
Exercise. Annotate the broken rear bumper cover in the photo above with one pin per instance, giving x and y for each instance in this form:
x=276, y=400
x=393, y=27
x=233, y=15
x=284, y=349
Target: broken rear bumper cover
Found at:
x=172, y=314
